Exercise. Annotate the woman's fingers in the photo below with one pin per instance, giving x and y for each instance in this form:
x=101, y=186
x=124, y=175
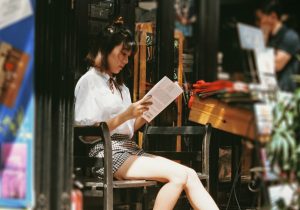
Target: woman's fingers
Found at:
x=146, y=99
x=147, y=103
x=141, y=106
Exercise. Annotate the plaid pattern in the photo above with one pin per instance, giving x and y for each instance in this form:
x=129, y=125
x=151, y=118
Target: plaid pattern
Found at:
x=122, y=148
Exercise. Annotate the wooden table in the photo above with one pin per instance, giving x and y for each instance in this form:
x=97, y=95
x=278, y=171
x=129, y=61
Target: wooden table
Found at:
x=232, y=119
x=237, y=123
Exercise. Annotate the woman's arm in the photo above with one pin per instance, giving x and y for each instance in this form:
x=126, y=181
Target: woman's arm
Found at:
x=139, y=122
x=135, y=110
x=113, y=123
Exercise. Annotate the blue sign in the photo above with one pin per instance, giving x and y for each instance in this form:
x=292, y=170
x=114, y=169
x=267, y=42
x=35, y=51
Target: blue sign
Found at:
x=16, y=102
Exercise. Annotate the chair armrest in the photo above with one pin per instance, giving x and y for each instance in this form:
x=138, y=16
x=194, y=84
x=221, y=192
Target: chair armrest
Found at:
x=102, y=131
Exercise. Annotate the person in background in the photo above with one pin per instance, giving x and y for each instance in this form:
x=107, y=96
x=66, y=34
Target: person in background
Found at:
x=101, y=95
x=284, y=40
x=185, y=17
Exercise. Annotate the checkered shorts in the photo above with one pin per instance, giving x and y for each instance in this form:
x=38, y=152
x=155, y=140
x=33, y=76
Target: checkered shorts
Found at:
x=122, y=148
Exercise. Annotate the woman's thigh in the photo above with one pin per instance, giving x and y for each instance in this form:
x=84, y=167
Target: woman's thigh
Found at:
x=150, y=168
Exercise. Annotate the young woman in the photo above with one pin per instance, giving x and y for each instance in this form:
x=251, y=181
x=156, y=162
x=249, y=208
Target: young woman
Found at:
x=100, y=95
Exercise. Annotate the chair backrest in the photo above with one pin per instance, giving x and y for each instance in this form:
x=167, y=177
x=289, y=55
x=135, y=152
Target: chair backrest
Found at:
x=102, y=131
x=203, y=131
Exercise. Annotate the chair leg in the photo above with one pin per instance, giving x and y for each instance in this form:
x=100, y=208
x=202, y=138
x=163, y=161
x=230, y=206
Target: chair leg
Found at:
x=207, y=185
x=145, y=199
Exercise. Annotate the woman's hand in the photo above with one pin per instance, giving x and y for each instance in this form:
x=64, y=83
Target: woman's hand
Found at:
x=138, y=108
x=266, y=29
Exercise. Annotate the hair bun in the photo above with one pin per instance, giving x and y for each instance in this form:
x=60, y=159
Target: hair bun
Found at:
x=119, y=21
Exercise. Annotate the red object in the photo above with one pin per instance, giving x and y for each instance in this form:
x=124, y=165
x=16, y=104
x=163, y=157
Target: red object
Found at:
x=9, y=66
x=202, y=86
x=206, y=89
x=76, y=200
x=192, y=98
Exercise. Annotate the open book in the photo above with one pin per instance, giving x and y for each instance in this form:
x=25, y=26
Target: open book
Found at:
x=163, y=93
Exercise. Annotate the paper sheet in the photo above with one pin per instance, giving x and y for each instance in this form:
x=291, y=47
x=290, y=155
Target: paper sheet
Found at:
x=163, y=93
x=266, y=67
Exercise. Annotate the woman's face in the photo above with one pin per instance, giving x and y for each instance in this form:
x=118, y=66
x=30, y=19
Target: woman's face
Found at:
x=117, y=59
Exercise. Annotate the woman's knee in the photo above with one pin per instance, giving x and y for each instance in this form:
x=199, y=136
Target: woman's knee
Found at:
x=191, y=174
x=179, y=177
x=183, y=176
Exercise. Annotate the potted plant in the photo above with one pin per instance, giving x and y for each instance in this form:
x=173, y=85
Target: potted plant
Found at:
x=284, y=147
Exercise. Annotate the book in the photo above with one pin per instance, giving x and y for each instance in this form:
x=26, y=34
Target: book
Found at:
x=163, y=93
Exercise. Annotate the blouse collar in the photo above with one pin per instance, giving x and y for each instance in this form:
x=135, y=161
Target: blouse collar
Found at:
x=103, y=74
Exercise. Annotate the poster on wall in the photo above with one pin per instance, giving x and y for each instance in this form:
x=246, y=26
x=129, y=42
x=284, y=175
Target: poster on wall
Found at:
x=16, y=103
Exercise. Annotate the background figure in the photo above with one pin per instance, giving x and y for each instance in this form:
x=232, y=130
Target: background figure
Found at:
x=185, y=16
x=284, y=40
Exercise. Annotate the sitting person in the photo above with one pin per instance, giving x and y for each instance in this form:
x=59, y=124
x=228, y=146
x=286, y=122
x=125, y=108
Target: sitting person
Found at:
x=100, y=95
x=284, y=40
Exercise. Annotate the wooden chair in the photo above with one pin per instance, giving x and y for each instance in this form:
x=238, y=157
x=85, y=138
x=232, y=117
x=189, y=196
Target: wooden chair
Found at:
x=93, y=186
x=189, y=154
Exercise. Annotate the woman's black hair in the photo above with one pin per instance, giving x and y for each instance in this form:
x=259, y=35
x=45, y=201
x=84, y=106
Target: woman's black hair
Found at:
x=113, y=35
x=267, y=7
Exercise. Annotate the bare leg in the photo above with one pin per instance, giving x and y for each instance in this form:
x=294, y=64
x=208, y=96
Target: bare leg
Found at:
x=198, y=196
x=160, y=169
x=177, y=176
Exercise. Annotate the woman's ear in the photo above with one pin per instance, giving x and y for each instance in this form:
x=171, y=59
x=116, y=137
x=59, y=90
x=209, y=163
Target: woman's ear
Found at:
x=97, y=61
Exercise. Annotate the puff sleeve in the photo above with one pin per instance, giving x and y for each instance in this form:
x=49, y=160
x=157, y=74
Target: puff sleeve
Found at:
x=87, y=110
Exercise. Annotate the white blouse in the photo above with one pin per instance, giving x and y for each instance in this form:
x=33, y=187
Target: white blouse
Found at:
x=95, y=102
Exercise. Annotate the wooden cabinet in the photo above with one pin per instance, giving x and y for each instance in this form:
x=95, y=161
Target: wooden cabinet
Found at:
x=145, y=69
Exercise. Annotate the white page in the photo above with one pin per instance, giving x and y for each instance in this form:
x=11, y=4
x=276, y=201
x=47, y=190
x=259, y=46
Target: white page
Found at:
x=266, y=67
x=163, y=93
x=264, y=118
x=251, y=38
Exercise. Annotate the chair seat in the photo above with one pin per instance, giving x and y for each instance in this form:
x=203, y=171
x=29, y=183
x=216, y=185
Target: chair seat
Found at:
x=133, y=183
x=93, y=187
x=96, y=183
